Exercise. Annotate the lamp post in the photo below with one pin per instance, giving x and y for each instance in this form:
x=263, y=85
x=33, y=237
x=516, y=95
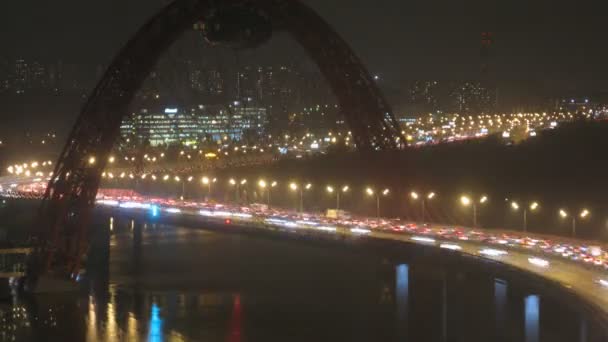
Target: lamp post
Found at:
x=330, y=189
x=467, y=201
x=237, y=186
x=178, y=180
x=370, y=192
x=532, y=207
x=583, y=215
x=208, y=181
x=266, y=187
x=301, y=188
x=415, y=196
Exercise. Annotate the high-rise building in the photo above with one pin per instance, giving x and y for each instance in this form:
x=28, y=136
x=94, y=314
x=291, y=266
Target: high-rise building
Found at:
x=173, y=125
x=235, y=122
x=472, y=97
x=20, y=76
x=316, y=118
x=272, y=87
x=424, y=93
x=161, y=127
x=215, y=82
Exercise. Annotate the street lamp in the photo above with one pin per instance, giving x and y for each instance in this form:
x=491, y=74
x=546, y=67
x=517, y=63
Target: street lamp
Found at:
x=415, y=196
x=532, y=207
x=330, y=189
x=296, y=187
x=178, y=180
x=583, y=215
x=208, y=181
x=263, y=185
x=237, y=185
x=468, y=201
x=370, y=192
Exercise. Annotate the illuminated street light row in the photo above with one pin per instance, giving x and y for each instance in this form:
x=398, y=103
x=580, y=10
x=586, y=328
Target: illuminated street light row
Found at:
x=19, y=169
x=465, y=200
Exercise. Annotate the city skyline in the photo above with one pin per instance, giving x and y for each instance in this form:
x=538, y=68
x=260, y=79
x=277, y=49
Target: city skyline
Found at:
x=527, y=53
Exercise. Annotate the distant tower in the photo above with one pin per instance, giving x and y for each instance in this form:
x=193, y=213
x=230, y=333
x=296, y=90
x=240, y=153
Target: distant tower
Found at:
x=487, y=42
x=487, y=81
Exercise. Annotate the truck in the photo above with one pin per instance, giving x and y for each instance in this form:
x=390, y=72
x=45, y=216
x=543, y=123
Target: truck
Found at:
x=337, y=213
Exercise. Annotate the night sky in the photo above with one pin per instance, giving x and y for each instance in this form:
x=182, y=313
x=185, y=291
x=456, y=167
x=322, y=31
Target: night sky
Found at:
x=557, y=45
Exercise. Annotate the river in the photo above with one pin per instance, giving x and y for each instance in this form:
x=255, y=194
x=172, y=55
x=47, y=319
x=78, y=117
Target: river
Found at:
x=167, y=283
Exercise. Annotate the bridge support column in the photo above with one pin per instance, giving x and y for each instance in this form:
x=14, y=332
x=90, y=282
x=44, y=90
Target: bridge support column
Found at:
x=98, y=258
x=500, y=309
x=532, y=318
x=444, y=308
x=137, y=228
x=583, y=330
x=468, y=317
x=402, y=294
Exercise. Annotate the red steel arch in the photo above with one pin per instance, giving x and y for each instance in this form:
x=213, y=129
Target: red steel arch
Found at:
x=60, y=238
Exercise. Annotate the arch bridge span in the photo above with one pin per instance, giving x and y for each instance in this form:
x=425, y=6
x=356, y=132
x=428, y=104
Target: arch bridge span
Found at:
x=60, y=236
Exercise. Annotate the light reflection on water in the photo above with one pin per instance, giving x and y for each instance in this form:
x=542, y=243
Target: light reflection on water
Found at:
x=171, y=284
x=155, y=330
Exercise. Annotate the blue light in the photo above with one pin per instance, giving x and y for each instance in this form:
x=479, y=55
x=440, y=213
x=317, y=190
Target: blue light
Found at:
x=402, y=288
x=154, y=210
x=170, y=110
x=155, y=331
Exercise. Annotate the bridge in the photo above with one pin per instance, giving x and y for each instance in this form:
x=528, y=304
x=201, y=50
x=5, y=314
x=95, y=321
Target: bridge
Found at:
x=61, y=237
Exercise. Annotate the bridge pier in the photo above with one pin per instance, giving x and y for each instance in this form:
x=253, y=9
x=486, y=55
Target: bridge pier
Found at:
x=99, y=249
x=137, y=228
x=467, y=318
x=427, y=298
x=98, y=258
x=532, y=318
x=583, y=330
x=500, y=309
